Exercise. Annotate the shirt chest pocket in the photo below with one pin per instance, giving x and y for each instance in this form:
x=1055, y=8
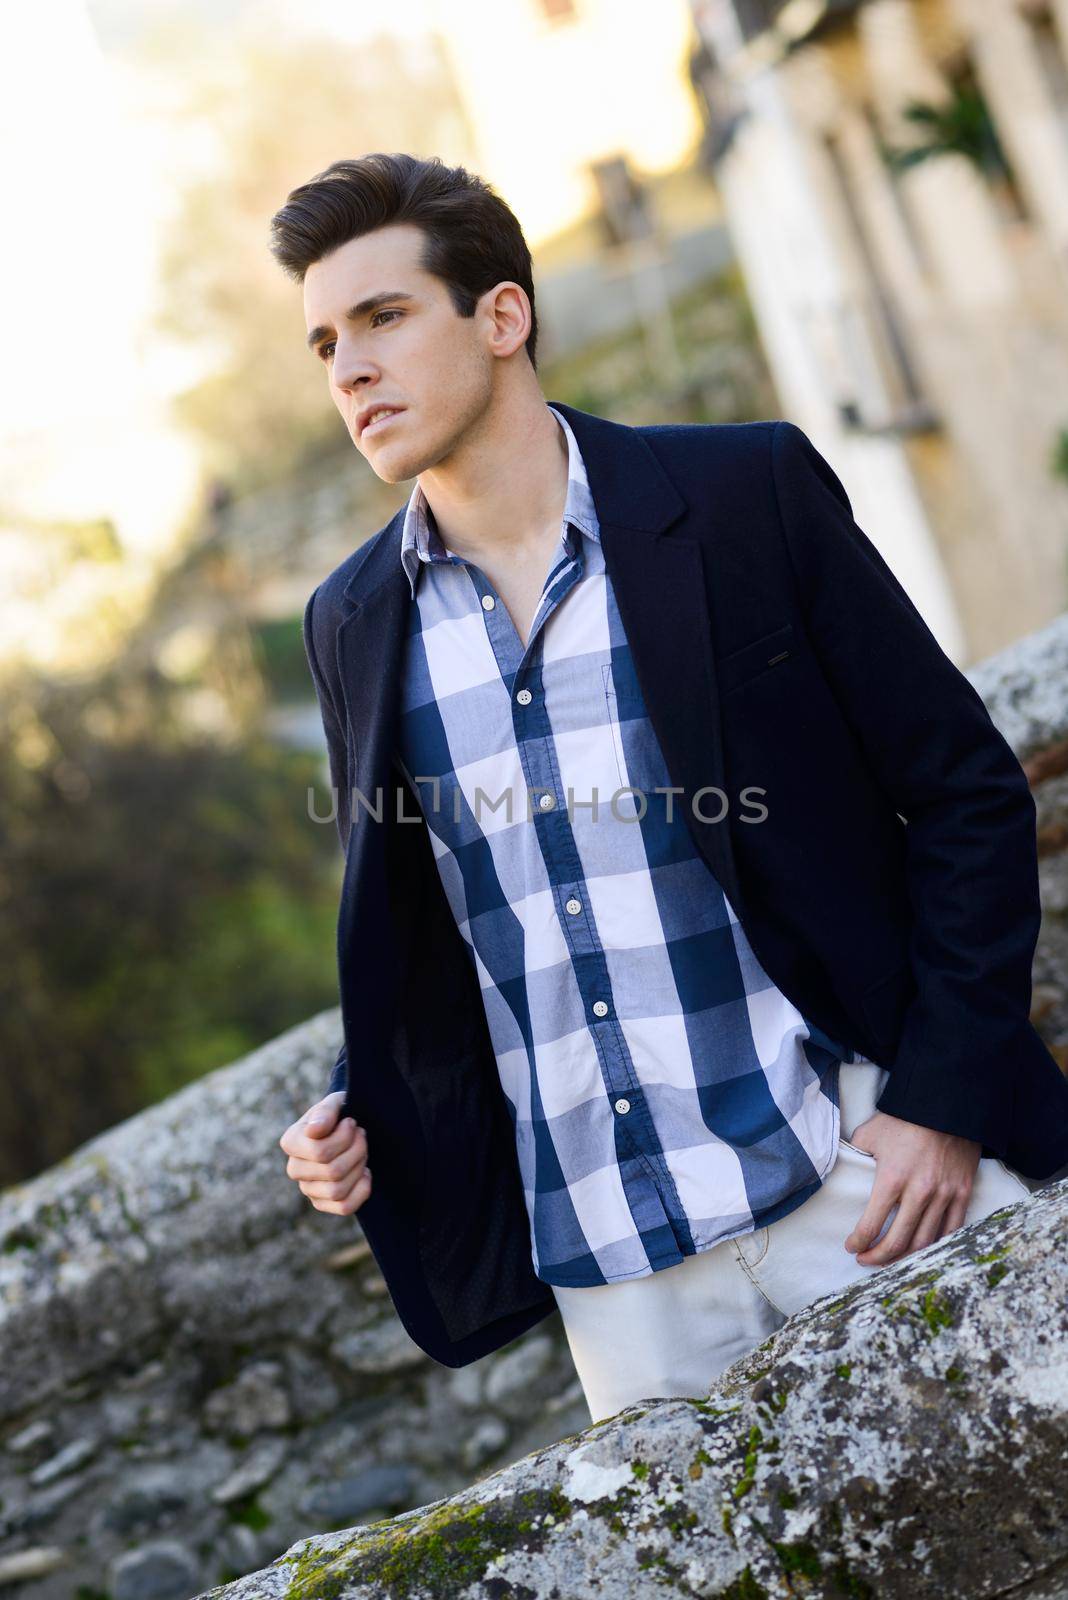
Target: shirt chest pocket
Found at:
x=612, y=709
x=639, y=761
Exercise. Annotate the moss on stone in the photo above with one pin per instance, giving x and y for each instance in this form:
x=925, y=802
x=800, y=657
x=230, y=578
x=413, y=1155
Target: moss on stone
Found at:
x=18, y=1239
x=936, y=1311
x=749, y=1465
x=706, y=1409
x=849, y=1584
x=800, y=1558
x=746, y=1587
x=449, y=1548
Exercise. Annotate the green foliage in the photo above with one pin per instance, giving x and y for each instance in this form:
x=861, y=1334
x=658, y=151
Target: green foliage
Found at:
x=166, y=904
x=960, y=125
x=279, y=649
x=1058, y=461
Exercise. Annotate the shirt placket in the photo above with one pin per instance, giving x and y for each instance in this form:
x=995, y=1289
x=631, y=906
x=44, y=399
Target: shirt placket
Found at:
x=520, y=669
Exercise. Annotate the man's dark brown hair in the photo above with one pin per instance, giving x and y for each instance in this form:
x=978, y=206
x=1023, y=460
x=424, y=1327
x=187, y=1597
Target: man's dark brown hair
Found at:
x=472, y=239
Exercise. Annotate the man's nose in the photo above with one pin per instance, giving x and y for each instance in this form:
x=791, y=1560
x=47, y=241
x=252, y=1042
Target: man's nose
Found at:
x=351, y=370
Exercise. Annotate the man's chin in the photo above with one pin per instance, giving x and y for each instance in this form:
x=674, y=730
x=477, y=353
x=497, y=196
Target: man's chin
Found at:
x=392, y=469
x=379, y=460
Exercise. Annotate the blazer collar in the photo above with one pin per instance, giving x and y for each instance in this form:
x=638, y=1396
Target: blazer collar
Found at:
x=661, y=585
x=630, y=489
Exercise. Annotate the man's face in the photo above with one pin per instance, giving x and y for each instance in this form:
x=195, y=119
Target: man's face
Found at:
x=409, y=350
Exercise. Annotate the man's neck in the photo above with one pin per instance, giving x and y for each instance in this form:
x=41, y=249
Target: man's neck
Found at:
x=499, y=498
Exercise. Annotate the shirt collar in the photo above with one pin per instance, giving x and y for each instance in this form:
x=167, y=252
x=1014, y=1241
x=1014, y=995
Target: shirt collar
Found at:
x=421, y=541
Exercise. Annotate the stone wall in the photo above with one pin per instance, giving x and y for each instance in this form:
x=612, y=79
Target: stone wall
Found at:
x=1026, y=691
x=198, y=1369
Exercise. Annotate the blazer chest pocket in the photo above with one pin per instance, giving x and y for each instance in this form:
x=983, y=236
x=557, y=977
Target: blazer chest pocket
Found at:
x=770, y=653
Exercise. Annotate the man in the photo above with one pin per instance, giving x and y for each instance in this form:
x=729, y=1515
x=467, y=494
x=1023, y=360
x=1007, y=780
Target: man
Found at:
x=690, y=894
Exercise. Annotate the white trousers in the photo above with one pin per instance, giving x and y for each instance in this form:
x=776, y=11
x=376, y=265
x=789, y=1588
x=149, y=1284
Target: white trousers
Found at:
x=673, y=1331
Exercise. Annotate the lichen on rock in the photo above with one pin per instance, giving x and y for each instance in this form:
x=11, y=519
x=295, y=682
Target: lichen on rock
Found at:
x=904, y=1441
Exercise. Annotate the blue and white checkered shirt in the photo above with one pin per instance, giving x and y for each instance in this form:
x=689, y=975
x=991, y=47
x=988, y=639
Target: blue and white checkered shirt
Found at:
x=665, y=1095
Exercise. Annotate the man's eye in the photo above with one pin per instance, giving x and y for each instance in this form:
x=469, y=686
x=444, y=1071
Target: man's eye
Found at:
x=324, y=348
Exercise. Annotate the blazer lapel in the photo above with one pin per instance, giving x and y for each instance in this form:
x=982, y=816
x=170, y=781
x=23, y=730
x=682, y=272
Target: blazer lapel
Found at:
x=660, y=584
x=370, y=643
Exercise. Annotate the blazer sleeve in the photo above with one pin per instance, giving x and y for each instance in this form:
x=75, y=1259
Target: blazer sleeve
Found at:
x=971, y=849
x=337, y=756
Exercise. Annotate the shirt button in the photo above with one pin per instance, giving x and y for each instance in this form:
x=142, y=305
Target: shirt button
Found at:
x=524, y=697
x=574, y=906
x=547, y=801
x=600, y=1008
x=622, y=1106
x=488, y=602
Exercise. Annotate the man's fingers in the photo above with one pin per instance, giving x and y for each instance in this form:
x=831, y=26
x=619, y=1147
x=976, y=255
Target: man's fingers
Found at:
x=895, y=1242
x=338, y=1164
x=300, y=1141
x=956, y=1214
x=318, y=1121
x=884, y=1195
x=320, y=1188
x=931, y=1225
x=351, y=1202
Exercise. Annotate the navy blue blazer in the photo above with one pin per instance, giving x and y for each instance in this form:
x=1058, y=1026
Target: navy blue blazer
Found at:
x=891, y=890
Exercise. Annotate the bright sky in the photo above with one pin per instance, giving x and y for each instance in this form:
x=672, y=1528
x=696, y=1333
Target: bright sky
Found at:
x=89, y=162
x=87, y=170
x=83, y=426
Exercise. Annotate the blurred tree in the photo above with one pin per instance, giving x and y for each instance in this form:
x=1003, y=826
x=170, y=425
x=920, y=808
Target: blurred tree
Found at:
x=279, y=113
x=166, y=904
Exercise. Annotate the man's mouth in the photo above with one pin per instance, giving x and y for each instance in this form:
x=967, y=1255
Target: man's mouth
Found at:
x=379, y=419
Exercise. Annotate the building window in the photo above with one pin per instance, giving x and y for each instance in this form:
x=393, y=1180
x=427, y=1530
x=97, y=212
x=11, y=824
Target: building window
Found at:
x=756, y=16
x=877, y=380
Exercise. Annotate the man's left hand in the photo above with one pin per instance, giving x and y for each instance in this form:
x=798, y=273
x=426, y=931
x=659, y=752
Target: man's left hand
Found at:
x=928, y=1175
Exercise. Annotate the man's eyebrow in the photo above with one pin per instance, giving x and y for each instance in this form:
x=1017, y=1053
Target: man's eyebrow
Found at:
x=363, y=308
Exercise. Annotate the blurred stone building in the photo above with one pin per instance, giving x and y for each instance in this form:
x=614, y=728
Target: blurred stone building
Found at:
x=894, y=177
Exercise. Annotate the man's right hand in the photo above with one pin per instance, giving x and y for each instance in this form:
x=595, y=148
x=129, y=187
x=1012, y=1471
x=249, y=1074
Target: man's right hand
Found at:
x=327, y=1158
